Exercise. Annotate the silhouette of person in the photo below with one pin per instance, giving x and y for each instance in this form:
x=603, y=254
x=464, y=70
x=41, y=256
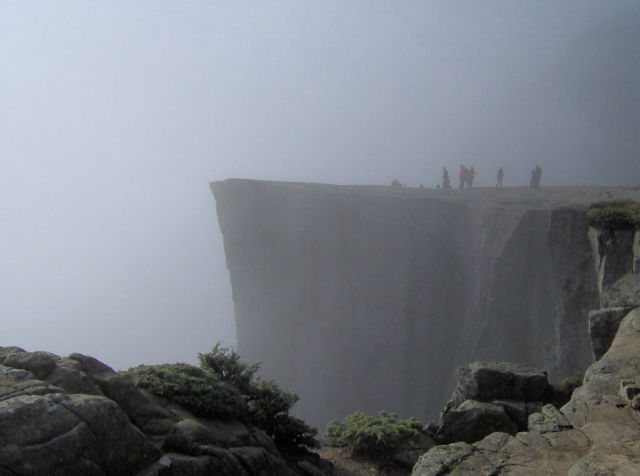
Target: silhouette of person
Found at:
x=500, y=176
x=463, y=175
x=535, y=177
x=471, y=174
x=446, y=181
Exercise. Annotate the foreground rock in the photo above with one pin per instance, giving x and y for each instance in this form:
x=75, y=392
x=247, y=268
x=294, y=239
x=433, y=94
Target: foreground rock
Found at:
x=75, y=416
x=490, y=397
x=596, y=433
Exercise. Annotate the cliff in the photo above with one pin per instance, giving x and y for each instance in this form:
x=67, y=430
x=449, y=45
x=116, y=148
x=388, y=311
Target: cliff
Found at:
x=598, y=430
x=366, y=298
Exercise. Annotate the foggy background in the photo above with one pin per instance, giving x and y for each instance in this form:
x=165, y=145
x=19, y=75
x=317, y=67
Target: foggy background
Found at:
x=115, y=115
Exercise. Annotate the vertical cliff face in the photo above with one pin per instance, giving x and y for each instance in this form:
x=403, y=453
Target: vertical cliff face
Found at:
x=366, y=298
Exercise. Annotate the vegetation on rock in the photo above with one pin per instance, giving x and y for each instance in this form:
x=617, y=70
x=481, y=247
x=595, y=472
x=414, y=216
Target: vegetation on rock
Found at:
x=268, y=404
x=374, y=437
x=197, y=390
x=615, y=214
x=225, y=387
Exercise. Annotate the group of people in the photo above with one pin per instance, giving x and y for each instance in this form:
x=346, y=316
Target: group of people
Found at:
x=468, y=174
x=466, y=177
x=535, y=177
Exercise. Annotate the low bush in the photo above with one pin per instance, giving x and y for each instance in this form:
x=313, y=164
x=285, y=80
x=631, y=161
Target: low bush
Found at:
x=197, y=390
x=615, y=214
x=225, y=387
x=226, y=365
x=268, y=404
x=374, y=437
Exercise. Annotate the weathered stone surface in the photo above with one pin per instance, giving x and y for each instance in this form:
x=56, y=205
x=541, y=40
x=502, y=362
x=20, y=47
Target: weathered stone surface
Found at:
x=605, y=438
x=622, y=361
x=15, y=382
x=548, y=420
x=603, y=325
x=487, y=381
x=259, y=462
x=95, y=422
x=178, y=464
x=70, y=435
x=616, y=256
x=39, y=364
x=442, y=459
x=407, y=455
x=473, y=420
x=141, y=408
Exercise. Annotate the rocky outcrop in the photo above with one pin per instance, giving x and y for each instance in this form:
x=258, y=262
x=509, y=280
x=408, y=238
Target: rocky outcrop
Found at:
x=597, y=432
x=75, y=416
x=367, y=298
x=603, y=326
x=617, y=257
x=490, y=397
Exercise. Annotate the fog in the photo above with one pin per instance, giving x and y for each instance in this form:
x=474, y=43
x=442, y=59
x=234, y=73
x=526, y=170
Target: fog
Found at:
x=115, y=115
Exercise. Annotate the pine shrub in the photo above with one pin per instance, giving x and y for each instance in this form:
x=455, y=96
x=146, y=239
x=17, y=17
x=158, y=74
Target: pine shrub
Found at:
x=374, y=437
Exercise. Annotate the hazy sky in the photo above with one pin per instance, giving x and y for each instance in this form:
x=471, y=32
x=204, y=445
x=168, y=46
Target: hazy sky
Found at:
x=115, y=115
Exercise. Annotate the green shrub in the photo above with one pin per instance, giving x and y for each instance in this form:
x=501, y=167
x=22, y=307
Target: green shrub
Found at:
x=374, y=437
x=225, y=387
x=225, y=364
x=268, y=404
x=615, y=214
x=197, y=390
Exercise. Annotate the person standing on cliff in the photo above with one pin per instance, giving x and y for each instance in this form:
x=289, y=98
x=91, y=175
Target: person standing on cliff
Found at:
x=471, y=174
x=535, y=177
x=538, y=175
x=463, y=175
x=446, y=181
x=500, y=176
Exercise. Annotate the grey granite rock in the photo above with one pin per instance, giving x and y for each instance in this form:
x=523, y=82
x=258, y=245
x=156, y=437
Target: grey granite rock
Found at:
x=75, y=416
x=473, y=420
x=603, y=326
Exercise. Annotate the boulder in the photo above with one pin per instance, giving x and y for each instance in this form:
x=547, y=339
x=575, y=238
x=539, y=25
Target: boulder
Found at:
x=519, y=411
x=70, y=435
x=75, y=416
x=488, y=381
x=548, y=420
x=39, y=364
x=442, y=459
x=150, y=417
x=473, y=420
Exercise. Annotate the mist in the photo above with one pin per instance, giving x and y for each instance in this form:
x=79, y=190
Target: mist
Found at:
x=116, y=115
